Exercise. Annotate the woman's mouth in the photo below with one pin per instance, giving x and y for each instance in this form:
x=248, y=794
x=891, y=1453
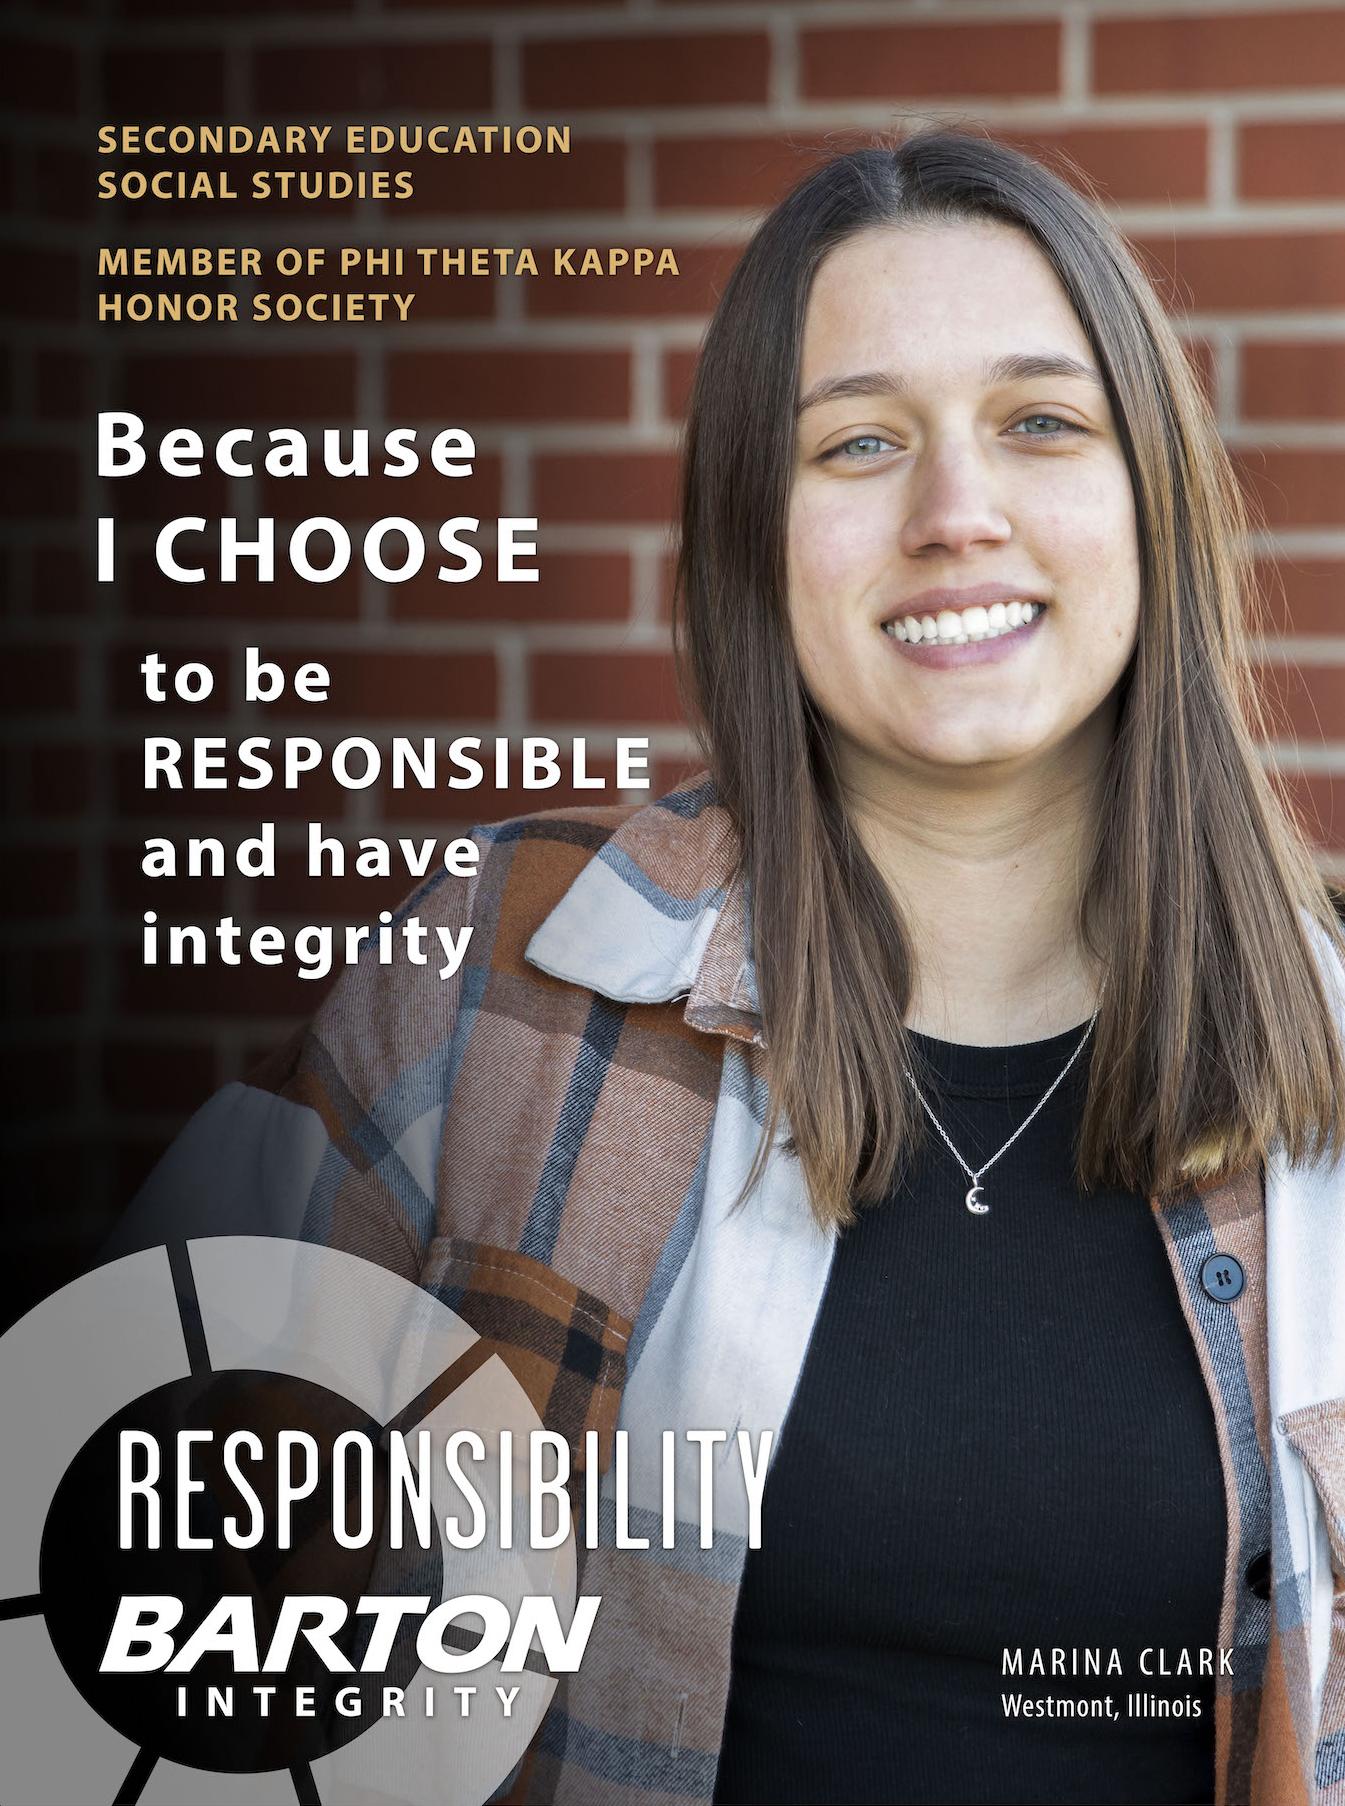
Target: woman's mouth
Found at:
x=973, y=636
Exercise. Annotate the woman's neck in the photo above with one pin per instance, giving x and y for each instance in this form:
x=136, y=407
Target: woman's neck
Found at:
x=987, y=875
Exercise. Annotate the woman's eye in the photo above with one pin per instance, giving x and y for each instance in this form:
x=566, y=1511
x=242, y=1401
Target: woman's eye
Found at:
x=1067, y=426
x=854, y=451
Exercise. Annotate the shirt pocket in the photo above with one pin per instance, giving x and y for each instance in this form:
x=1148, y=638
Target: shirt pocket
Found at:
x=565, y=1346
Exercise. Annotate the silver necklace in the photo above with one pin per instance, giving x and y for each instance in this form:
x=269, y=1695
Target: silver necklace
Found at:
x=972, y=1200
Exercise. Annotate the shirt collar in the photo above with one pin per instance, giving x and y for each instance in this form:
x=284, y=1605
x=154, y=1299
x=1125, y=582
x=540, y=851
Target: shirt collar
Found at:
x=660, y=913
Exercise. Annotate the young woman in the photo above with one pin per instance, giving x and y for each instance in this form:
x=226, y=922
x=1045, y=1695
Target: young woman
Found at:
x=951, y=1080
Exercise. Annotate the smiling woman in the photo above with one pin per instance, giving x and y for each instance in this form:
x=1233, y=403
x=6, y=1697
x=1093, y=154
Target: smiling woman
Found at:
x=1033, y=943
x=979, y=458
x=950, y=1080
x=1020, y=807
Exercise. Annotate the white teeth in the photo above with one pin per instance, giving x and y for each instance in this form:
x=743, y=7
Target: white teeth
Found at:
x=975, y=623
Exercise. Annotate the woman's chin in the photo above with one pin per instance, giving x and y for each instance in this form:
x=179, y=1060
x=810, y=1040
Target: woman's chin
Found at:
x=964, y=750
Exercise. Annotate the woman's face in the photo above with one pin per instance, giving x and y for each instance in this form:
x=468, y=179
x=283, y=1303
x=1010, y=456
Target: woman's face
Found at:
x=938, y=451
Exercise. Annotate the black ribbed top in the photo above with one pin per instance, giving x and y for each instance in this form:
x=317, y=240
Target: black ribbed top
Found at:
x=1000, y=1440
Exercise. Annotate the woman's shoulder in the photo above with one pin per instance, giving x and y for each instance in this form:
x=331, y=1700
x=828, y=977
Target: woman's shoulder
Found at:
x=598, y=879
x=671, y=848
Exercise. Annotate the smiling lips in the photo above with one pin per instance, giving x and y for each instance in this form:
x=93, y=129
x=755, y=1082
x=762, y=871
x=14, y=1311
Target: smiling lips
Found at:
x=952, y=628
x=973, y=635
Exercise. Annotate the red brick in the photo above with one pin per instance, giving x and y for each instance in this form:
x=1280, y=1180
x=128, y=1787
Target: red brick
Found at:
x=702, y=271
x=892, y=62
x=1318, y=801
x=137, y=80
x=571, y=586
x=618, y=689
x=510, y=385
x=589, y=178
x=148, y=1077
x=454, y=297
x=1296, y=379
x=737, y=171
x=664, y=70
x=181, y=899
x=1302, y=595
x=38, y=482
x=168, y=9
x=239, y=388
x=36, y=677
x=40, y=882
x=37, y=77
x=1291, y=160
x=411, y=686
x=452, y=814
x=63, y=182
x=1306, y=702
x=61, y=379
x=38, y=284
x=62, y=580
x=606, y=486
x=425, y=495
x=1244, y=271
x=1129, y=163
x=357, y=78
x=667, y=584
x=60, y=778
x=48, y=981
x=1295, y=487
x=1214, y=52
x=151, y=495
x=679, y=367
x=1200, y=356
x=448, y=5
x=147, y=593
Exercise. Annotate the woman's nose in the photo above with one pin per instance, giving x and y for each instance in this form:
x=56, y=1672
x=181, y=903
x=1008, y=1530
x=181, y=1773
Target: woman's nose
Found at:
x=952, y=502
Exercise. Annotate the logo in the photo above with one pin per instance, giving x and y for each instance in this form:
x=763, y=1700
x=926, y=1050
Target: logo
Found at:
x=271, y=1513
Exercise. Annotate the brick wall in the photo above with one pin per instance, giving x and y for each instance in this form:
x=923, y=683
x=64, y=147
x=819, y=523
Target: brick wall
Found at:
x=1217, y=131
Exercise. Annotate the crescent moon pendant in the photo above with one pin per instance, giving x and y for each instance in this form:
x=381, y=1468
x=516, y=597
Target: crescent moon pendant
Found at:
x=977, y=1209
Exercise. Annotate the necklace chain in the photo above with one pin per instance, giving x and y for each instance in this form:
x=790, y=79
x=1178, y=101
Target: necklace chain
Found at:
x=973, y=1205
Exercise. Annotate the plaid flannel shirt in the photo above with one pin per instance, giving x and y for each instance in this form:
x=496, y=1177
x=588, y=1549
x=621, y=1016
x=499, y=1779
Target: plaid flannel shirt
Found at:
x=549, y=1142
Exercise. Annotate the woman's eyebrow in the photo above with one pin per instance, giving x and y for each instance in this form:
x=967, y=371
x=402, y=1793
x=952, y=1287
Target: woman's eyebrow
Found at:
x=1017, y=366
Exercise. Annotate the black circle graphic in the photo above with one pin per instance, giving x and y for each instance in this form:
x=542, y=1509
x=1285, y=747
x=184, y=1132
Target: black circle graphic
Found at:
x=84, y=1575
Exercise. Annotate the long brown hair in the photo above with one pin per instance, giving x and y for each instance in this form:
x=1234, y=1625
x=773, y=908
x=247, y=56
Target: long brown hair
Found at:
x=1215, y=1038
